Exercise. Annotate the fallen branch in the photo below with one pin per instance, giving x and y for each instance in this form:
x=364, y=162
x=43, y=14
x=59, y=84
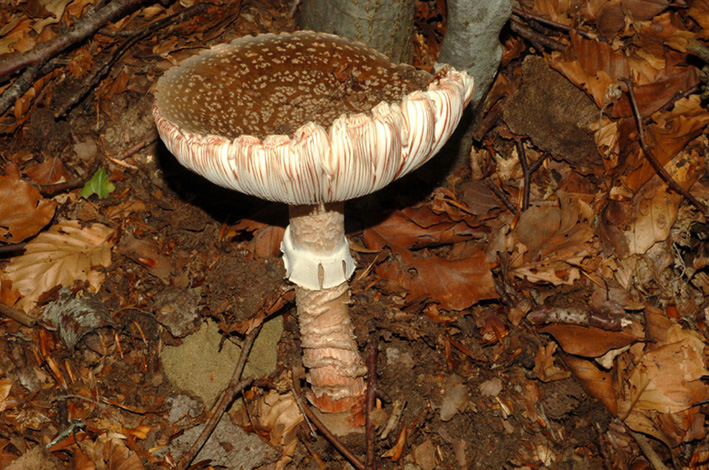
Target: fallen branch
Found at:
x=650, y=155
x=18, y=316
x=527, y=170
x=501, y=196
x=537, y=39
x=78, y=32
x=24, y=82
x=136, y=35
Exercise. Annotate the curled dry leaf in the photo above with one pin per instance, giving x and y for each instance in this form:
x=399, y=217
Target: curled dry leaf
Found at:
x=108, y=452
x=23, y=211
x=544, y=365
x=658, y=389
x=589, y=341
x=656, y=206
x=65, y=253
x=549, y=243
x=280, y=416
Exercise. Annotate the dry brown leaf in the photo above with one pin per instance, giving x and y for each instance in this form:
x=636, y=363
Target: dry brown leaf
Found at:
x=671, y=133
x=108, y=452
x=5, y=386
x=417, y=227
x=544, y=366
x=452, y=284
x=62, y=255
x=588, y=341
x=549, y=243
x=655, y=206
x=595, y=381
x=50, y=172
x=280, y=416
x=643, y=10
x=660, y=383
x=23, y=211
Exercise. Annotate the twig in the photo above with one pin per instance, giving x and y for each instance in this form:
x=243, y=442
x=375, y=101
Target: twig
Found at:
x=172, y=19
x=537, y=39
x=102, y=70
x=527, y=170
x=18, y=316
x=24, y=82
x=230, y=393
x=501, y=196
x=650, y=155
x=78, y=32
x=547, y=22
x=12, y=249
x=336, y=443
x=49, y=190
x=526, y=178
x=371, y=389
x=648, y=451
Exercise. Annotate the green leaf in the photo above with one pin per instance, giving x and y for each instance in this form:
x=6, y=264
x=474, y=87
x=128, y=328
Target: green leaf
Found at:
x=99, y=184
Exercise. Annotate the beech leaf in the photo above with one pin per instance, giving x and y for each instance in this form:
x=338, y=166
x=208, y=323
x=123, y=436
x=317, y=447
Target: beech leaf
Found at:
x=65, y=253
x=23, y=211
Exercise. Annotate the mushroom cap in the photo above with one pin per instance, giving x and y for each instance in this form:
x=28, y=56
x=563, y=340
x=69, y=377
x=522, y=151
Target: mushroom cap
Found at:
x=305, y=117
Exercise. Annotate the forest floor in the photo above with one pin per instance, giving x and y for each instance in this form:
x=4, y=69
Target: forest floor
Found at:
x=535, y=297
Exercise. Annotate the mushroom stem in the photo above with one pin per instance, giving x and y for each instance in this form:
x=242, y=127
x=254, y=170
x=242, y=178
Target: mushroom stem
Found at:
x=335, y=369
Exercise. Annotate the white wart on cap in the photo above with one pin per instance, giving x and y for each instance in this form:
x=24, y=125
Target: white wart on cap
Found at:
x=304, y=117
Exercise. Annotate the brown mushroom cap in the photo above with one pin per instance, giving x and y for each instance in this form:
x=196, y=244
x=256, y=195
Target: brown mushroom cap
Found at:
x=305, y=117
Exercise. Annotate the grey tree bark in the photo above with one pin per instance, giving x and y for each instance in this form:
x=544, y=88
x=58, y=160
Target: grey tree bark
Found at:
x=472, y=40
x=386, y=25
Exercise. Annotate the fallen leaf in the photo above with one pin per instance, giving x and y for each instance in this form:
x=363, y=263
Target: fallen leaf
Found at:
x=544, y=366
x=588, y=341
x=23, y=211
x=549, y=243
x=452, y=284
x=280, y=416
x=62, y=255
x=50, y=172
x=598, y=383
x=418, y=227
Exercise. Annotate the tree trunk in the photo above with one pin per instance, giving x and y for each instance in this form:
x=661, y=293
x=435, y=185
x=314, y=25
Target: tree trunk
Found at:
x=472, y=40
x=385, y=25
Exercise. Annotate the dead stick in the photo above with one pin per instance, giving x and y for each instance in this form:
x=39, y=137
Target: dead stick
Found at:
x=230, y=393
x=80, y=31
x=13, y=249
x=547, y=22
x=102, y=69
x=336, y=443
x=501, y=196
x=650, y=155
x=371, y=394
x=538, y=40
x=527, y=176
x=24, y=82
x=18, y=316
x=647, y=450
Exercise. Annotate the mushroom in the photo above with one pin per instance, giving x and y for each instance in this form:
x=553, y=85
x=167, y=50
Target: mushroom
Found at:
x=311, y=120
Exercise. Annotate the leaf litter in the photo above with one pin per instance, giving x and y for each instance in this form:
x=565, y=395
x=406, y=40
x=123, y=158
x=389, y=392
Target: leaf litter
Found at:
x=601, y=281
